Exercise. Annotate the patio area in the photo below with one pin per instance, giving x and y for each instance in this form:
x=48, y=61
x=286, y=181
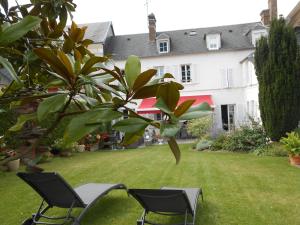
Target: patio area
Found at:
x=238, y=188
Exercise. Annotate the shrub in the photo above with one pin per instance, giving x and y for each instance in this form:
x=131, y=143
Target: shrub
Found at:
x=200, y=127
x=219, y=142
x=273, y=149
x=245, y=139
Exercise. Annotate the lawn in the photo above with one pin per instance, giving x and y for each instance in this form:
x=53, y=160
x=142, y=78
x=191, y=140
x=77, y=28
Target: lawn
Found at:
x=238, y=188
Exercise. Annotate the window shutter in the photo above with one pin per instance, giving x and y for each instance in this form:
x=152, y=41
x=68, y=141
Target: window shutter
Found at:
x=194, y=74
x=223, y=80
x=230, y=79
x=175, y=73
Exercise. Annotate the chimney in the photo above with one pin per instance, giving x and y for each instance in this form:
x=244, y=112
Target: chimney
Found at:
x=265, y=17
x=152, y=27
x=273, y=9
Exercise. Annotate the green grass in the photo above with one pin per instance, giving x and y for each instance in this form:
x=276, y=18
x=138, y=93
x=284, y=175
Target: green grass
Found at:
x=238, y=188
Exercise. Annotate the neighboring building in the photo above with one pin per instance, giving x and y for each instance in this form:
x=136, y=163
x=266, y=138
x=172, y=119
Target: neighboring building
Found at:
x=100, y=33
x=294, y=19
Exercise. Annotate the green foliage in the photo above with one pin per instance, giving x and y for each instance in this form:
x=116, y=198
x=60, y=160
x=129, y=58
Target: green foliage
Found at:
x=203, y=144
x=200, y=127
x=51, y=105
x=13, y=32
x=272, y=149
x=292, y=143
x=278, y=73
x=244, y=139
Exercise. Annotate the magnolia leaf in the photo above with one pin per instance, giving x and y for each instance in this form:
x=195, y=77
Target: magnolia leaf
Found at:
x=77, y=127
x=51, y=105
x=132, y=70
x=183, y=107
x=146, y=92
x=174, y=148
x=168, y=75
x=50, y=58
x=170, y=94
x=9, y=68
x=169, y=130
x=194, y=115
x=131, y=138
x=144, y=78
x=202, y=107
x=90, y=63
x=22, y=119
x=65, y=60
x=160, y=104
x=130, y=125
x=17, y=30
x=104, y=115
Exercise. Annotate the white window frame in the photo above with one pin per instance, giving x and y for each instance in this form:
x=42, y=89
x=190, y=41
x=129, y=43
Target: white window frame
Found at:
x=256, y=35
x=213, y=41
x=185, y=69
x=160, y=71
x=165, y=49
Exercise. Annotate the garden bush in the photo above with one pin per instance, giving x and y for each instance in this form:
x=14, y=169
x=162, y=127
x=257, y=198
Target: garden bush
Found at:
x=272, y=149
x=245, y=139
x=200, y=127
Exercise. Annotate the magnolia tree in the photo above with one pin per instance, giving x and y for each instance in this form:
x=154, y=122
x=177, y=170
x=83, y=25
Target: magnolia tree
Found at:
x=39, y=53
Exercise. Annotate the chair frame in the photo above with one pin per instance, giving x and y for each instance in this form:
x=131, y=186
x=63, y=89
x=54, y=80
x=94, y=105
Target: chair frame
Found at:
x=143, y=219
x=68, y=217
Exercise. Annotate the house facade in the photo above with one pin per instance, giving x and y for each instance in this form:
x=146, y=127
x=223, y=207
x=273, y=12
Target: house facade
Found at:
x=213, y=64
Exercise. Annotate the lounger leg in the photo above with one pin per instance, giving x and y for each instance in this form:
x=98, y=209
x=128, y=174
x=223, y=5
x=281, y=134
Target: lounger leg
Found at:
x=186, y=217
x=142, y=220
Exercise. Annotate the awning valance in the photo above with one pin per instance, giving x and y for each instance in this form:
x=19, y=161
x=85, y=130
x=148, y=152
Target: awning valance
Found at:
x=147, y=105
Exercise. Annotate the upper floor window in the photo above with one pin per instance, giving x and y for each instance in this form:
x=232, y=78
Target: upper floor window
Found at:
x=163, y=46
x=160, y=71
x=257, y=34
x=213, y=41
x=186, y=73
x=227, y=78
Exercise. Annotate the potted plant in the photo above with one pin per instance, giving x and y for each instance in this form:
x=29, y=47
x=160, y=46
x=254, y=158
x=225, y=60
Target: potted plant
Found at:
x=292, y=145
x=14, y=164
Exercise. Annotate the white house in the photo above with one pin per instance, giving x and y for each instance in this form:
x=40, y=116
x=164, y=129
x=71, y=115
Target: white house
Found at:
x=214, y=64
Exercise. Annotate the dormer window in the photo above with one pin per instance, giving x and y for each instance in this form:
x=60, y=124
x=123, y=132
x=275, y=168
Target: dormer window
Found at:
x=163, y=43
x=257, y=34
x=163, y=47
x=213, y=41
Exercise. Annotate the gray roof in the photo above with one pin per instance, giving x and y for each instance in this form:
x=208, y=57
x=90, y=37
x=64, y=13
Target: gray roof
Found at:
x=234, y=37
x=97, y=32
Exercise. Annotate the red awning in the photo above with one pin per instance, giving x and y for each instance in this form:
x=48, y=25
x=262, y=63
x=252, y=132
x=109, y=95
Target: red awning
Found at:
x=147, y=105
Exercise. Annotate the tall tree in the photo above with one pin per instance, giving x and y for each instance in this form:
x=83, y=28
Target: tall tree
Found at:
x=278, y=74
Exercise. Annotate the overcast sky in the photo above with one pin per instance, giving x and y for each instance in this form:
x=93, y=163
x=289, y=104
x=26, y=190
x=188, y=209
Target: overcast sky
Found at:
x=130, y=16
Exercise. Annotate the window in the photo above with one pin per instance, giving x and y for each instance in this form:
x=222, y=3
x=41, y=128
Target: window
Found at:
x=256, y=36
x=228, y=117
x=227, y=78
x=213, y=41
x=158, y=116
x=163, y=47
x=160, y=71
x=186, y=73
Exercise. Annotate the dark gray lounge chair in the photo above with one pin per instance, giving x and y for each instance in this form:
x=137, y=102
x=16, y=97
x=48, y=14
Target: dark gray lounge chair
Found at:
x=56, y=192
x=168, y=201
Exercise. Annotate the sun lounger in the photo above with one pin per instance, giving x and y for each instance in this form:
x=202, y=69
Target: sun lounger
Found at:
x=167, y=201
x=56, y=192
